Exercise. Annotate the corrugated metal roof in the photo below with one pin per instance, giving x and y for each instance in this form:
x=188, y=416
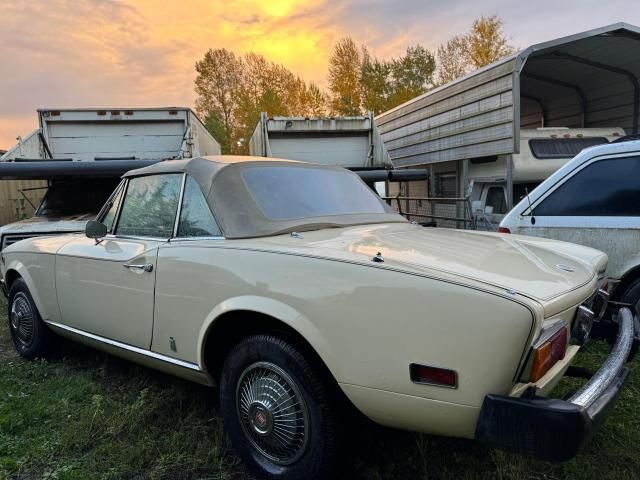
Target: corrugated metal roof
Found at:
x=587, y=79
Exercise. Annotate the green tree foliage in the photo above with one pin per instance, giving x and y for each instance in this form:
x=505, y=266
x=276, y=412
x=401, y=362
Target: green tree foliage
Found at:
x=344, y=78
x=485, y=43
x=218, y=85
x=385, y=84
x=453, y=61
x=232, y=91
x=411, y=75
x=374, y=83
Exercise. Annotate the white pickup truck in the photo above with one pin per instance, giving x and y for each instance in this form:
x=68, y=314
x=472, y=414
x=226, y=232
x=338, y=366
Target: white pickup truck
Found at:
x=83, y=152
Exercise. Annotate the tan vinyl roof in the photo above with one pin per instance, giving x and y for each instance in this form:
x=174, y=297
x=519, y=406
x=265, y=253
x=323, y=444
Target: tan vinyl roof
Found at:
x=236, y=210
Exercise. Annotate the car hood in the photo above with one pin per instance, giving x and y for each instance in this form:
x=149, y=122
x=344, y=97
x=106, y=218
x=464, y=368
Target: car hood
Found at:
x=53, y=225
x=537, y=268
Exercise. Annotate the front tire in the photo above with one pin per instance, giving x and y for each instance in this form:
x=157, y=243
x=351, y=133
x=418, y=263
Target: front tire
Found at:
x=30, y=335
x=277, y=411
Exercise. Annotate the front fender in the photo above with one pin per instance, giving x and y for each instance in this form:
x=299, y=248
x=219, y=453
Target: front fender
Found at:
x=41, y=288
x=273, y=308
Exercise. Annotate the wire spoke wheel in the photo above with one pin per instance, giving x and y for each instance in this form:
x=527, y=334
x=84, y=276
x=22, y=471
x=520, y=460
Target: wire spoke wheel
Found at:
x=22, y=319
x=272, y=412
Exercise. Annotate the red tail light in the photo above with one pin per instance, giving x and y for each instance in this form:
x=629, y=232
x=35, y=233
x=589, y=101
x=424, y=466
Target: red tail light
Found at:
x=433, y=375
x=503, y=230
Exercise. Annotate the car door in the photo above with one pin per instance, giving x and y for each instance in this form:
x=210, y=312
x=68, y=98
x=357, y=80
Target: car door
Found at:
x=597, y=205
x=106, y=287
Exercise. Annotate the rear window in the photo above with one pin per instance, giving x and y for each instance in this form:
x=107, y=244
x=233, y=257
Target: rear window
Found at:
x=544, y=148
x=288, y=193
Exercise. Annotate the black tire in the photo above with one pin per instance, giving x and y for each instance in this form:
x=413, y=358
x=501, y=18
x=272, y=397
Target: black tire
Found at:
x=307, y=448
x=631, y=294
x=30, y=335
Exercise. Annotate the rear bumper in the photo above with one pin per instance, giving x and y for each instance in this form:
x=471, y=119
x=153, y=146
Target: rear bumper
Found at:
x=555, y=430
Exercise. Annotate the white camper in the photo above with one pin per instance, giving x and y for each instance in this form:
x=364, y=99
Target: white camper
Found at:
x=542, y=152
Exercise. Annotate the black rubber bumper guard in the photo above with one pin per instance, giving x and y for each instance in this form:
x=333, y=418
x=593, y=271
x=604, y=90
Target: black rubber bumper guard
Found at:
x=552, y=429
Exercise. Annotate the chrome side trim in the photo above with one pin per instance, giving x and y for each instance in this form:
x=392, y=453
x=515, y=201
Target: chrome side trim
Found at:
x=549, y=331
x=191, y=239
x=609, y=370
x=176, y=223
x=124, y=346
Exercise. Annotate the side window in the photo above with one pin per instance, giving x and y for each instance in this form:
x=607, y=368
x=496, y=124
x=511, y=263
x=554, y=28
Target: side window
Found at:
x=196, y=219
x=114, y=201
x=496, y=199
x=149, y=206
x=609, y=187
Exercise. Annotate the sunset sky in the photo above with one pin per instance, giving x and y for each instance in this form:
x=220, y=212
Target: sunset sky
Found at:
x=101, y=53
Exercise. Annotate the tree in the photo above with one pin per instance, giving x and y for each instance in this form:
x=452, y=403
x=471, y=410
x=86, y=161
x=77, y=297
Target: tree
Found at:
x=412, y=75
x=487, y=42
x=453, y=60
x=374, y=83
x=313, y=101
x=233, y=91
x=217, y=86
x=216, y=127
x=344, y=78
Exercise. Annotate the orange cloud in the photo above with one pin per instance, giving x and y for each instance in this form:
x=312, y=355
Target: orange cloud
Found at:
x=81, y=53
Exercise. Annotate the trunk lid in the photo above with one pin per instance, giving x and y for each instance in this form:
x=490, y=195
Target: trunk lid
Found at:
x=537, y=268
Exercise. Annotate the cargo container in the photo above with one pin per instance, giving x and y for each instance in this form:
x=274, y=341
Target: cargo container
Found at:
x=81, y=154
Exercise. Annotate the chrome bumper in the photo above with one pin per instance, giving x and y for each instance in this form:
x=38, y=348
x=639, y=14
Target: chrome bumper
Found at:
x=615, y=362
x=553, y=429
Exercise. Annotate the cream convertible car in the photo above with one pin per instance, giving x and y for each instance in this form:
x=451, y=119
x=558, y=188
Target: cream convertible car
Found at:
x=295, y=289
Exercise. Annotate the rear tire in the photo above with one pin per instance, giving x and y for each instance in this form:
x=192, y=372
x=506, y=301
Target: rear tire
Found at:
x=277, y=411
x=30, y=335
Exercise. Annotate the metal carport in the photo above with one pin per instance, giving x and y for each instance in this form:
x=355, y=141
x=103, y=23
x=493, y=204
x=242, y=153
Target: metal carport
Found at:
x=585, y=80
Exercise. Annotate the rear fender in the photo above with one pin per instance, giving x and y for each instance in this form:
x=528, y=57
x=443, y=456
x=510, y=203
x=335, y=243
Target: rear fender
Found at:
x=275, y=309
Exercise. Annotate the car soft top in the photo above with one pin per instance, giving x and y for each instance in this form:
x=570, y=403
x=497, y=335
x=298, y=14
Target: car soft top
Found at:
x=227, y=181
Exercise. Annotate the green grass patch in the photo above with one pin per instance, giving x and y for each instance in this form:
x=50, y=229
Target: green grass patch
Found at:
x=90, y=415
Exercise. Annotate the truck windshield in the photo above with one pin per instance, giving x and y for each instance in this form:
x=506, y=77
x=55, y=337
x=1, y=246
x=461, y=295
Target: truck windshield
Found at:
x=288, y=193
x=76, y=197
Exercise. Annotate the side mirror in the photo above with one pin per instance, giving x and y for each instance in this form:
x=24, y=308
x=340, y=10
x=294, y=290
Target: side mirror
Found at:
x=95, y=230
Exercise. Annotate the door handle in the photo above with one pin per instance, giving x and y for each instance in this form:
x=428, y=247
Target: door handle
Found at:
x=145, y=267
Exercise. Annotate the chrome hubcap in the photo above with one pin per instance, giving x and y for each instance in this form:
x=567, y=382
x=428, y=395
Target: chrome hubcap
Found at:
x=272, y=413
x=22, y=320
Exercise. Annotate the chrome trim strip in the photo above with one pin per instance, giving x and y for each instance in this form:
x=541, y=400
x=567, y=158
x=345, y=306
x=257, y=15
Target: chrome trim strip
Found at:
x=179, y=211
x=116, y=220
x=124, y=346
x=133, y=237
x=191, y=239
x=549, y=332
x=610, y=369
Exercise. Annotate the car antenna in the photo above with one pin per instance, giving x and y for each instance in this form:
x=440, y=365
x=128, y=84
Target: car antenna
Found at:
x=531, y=212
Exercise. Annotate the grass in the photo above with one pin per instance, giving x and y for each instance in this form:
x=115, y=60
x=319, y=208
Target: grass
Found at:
x=89, y=415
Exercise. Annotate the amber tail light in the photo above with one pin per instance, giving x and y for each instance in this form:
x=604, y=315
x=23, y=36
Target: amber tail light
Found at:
x=548, y=354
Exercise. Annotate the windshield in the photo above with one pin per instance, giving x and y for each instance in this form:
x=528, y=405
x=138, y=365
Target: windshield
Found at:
x=76, y=197
x=289, y=193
